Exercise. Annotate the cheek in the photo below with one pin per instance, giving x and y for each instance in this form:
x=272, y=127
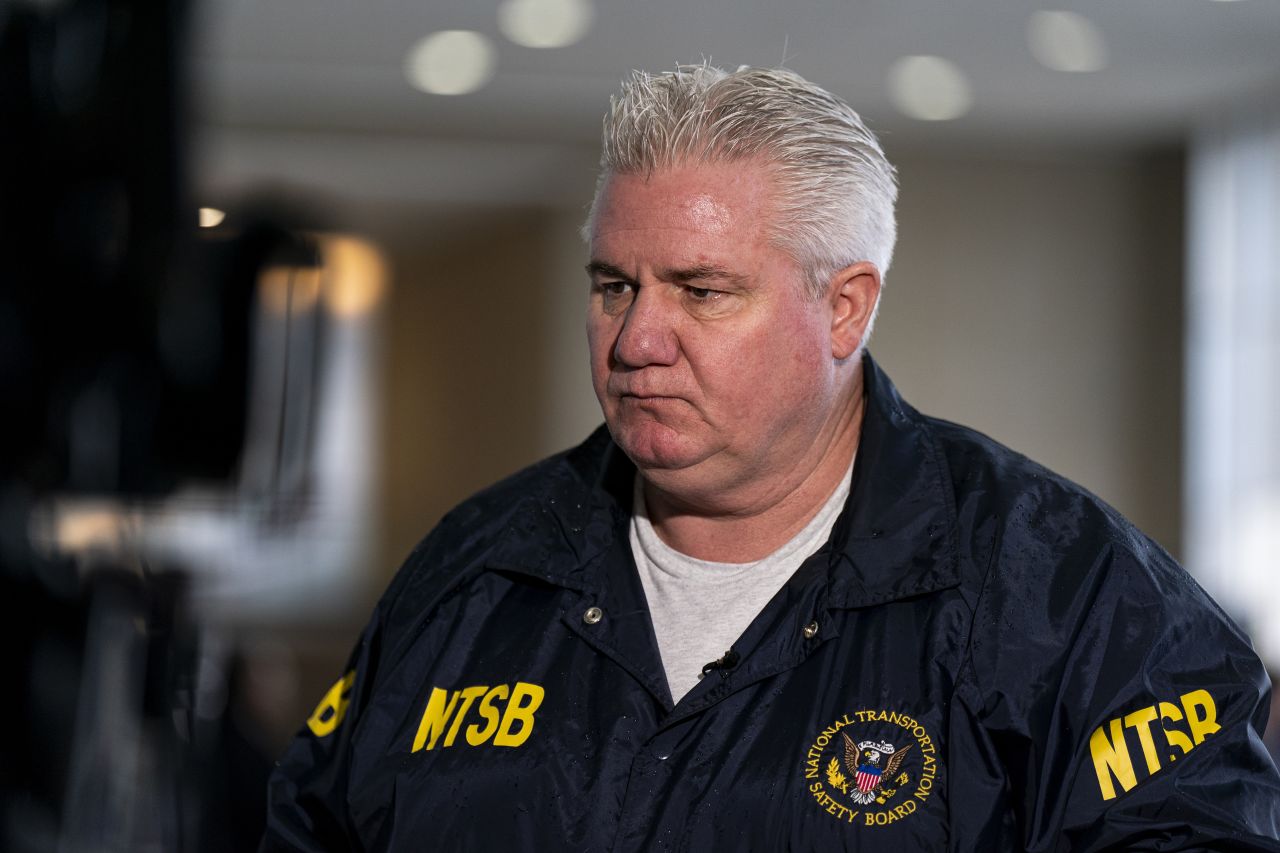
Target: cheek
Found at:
x=806, y=341
x=786, y=363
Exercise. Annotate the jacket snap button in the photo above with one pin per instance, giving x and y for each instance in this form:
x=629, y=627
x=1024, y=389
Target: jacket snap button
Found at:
x=810, y=630
x=593, y=615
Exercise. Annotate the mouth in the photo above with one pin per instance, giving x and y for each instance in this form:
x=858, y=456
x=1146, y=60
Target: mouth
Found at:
x=647, y=398
x=651, y=405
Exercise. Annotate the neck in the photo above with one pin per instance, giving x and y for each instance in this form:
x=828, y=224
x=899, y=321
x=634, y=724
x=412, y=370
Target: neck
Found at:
x=761, y=517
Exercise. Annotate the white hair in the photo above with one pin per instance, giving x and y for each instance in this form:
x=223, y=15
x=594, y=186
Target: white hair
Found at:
x=834, y=190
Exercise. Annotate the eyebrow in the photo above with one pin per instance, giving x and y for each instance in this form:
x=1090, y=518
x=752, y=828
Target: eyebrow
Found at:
x=600, y=268
x=700, y=272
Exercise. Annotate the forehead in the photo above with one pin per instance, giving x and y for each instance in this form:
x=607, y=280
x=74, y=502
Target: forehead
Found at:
x=705, y=204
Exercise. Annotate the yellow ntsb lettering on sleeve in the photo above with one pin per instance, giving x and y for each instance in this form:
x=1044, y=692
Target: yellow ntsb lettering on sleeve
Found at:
x=504, y=714
x=1110, y=749
x=333, y=707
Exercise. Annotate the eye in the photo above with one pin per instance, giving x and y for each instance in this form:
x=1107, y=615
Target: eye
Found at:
x=615, y=296
x=704, y=296
x=708, y=303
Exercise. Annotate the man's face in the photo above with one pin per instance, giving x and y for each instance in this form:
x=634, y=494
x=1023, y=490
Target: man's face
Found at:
x=712, y=363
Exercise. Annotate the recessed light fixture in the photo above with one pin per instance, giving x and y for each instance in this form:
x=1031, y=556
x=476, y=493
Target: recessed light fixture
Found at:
x=1066, y=41
x=451, y=62
x=211, y=217
x=545, y=23
x=929, y=88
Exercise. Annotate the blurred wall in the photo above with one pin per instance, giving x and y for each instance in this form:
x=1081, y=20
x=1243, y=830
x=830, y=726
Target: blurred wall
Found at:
x=468, y=370
x=1041, y=302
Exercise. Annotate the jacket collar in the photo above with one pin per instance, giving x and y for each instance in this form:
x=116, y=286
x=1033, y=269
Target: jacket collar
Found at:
x=559, y=532
x=897, y=536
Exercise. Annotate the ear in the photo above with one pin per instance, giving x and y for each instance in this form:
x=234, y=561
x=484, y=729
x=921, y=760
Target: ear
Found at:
x=853, y=292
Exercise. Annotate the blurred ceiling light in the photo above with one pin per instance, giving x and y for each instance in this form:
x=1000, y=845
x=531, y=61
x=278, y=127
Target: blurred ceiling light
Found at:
x=1065, y=41
x=545, y=23
x=211, y=217
x=450, y=62
x=929, y=88
x=357, y=277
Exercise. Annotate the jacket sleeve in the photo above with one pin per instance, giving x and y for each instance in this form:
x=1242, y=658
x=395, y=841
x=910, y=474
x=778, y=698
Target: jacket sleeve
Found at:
x=1126, y=707
x=307, y=792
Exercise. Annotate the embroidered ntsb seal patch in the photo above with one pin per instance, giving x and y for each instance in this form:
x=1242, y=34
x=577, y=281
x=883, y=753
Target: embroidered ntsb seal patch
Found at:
x=872, y=767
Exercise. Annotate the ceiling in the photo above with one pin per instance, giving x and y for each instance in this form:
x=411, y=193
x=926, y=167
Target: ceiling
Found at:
x=314, y=90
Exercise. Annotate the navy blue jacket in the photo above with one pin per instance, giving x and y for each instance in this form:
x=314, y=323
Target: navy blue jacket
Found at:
x=983, y=657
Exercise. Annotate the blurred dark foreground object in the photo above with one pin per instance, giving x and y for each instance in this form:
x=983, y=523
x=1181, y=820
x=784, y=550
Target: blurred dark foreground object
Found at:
x=125, y=368
x=124, y=365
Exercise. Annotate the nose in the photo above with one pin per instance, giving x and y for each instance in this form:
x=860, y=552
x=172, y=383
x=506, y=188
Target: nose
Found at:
x=648, y=334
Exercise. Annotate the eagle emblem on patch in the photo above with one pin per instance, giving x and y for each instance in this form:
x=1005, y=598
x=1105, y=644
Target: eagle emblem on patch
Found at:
x=873, y=763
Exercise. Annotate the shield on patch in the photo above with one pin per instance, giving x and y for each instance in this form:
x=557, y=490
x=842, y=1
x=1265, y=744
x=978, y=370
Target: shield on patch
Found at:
x=868, y=777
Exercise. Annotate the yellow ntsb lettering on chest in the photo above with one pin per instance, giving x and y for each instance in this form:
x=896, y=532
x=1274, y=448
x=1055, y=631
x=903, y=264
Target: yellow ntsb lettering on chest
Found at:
x=504, y=715
x=1110, y=749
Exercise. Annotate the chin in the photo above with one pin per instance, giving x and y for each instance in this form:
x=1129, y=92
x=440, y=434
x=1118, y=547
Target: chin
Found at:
x=656, y=448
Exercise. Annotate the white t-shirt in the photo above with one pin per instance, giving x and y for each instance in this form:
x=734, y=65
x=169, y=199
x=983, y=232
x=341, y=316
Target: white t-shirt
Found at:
x=699, y=607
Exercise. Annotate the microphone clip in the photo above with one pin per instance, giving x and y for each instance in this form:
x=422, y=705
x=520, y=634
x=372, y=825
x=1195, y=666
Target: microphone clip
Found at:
x=724, y=663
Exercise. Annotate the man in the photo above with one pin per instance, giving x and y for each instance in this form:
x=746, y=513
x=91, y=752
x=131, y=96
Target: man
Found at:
x=771, y=606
